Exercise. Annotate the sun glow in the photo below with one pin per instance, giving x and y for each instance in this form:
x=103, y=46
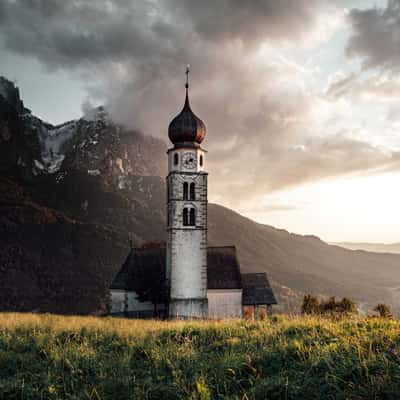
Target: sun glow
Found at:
x=347, y=209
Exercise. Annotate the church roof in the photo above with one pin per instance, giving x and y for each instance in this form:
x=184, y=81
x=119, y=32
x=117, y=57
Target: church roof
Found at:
x=151, y=259
x=223, y=272
x=257, y=290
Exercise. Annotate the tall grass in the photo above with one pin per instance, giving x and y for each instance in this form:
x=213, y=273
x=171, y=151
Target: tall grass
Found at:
x=54, y=357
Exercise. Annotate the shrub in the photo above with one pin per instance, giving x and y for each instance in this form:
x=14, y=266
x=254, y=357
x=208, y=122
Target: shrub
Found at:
x=348, y=306
x=383, y=310
x=312, y=305
x=330, y=306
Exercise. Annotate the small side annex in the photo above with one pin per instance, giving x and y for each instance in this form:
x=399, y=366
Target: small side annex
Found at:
x=230, y=294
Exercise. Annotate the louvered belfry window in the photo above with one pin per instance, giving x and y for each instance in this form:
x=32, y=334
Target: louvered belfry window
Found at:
x=192, y=219
x=185, y=217
x=192, y=191
x=189, y=216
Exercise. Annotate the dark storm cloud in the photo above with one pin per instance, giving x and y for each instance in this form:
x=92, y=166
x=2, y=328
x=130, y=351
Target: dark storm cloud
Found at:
x=261, y=130
x=248, y=21
x=69, y=33
x=66, y=33
x=376, y=36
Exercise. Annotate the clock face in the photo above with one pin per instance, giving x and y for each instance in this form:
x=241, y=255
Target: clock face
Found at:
x=189, y=160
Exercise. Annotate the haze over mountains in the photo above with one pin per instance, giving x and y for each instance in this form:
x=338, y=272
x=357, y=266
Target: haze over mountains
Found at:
x=376, y=247
x=73, y=195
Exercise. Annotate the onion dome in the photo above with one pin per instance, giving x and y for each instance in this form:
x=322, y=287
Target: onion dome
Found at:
x=186, y=129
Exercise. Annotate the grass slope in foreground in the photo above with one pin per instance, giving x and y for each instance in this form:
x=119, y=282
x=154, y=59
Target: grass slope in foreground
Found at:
x=54, y=357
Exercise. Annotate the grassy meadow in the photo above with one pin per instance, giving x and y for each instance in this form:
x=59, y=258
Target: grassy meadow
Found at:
x=55, y=357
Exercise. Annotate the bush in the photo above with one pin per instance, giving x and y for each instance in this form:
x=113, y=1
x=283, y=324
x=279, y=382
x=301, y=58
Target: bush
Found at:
x=312, y=305
x=383, y=310
x=348, y=306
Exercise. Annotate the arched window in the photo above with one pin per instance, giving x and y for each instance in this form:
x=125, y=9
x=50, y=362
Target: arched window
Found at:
x=192, y=219
x=201, y=160
x=185, y=216
x=185, y=191
x=189, y=216
x=176, y=159
x=192, y=191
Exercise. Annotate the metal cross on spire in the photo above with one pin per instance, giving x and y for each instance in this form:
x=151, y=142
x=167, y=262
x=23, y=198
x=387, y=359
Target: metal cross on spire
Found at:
x=187, y=76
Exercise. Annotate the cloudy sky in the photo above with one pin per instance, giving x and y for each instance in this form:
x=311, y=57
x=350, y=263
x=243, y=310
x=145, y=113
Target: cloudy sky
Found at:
x=301, y=98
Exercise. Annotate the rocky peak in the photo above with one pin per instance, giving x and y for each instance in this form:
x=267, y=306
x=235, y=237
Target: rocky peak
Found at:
x=10, y=92
x=93, y=145
x=103, y=148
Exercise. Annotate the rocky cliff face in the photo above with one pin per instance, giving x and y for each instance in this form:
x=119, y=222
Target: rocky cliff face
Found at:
x=93, y=144
x=10, y=93
x=19, y=147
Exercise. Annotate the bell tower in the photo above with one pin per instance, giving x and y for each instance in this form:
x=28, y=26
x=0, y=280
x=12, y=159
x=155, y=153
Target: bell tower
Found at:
x=187, y=215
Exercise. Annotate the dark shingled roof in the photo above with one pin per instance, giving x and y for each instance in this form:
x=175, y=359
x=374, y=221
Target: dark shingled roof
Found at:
x=149, y=258
x=257, y=290
x=121, y=280
x=223, y=272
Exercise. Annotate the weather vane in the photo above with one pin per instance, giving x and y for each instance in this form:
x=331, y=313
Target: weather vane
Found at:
x=187, y=75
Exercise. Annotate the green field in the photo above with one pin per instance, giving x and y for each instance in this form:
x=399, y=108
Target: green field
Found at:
x=54, y=357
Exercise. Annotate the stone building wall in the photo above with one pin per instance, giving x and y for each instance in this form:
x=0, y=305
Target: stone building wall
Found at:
x=125, y=302
x=224, y=303
x=187, y=245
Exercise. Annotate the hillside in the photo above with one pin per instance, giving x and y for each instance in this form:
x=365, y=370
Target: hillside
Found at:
x=52, y=357
x=376, y=247
x=50, y=262
x=72, y=196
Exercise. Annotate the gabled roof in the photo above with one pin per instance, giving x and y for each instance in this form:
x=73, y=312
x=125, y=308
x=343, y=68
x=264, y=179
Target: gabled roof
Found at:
x=122, y=278
x=151, y=259
x=257, y=290
x=223, y=272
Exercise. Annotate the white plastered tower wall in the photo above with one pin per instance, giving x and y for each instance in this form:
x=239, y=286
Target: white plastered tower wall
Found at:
x=186, y=258
x=187, y=244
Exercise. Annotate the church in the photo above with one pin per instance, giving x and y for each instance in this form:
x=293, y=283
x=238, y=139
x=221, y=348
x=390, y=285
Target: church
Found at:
x=184, y=278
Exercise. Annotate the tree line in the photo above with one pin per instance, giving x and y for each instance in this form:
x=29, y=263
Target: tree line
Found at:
x=313, y=305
